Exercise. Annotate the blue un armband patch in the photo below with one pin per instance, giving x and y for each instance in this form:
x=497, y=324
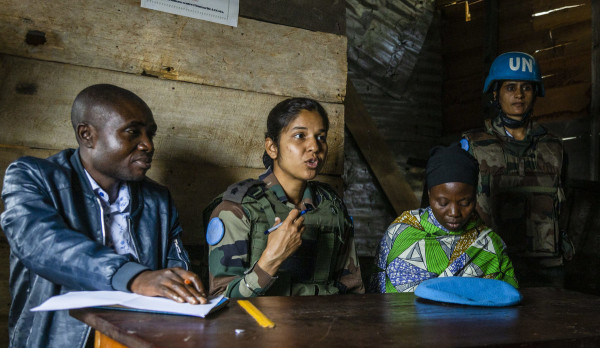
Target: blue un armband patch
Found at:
x=214, y=231
x=464, y=143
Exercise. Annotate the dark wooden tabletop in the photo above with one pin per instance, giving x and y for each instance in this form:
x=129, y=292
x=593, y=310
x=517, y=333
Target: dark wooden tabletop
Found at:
x=548, y=317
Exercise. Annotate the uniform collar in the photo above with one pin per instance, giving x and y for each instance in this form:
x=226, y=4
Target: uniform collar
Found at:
x=272, y=184
x=533, y=129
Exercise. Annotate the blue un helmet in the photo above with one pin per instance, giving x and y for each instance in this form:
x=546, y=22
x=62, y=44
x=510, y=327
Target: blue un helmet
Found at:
x=517, y=66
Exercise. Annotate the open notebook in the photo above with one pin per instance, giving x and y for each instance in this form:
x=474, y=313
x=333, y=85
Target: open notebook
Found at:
x=128, y=301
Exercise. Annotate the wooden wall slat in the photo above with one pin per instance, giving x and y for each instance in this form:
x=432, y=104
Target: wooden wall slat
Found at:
x=197, y=124
x=317, y=15
x=461, y=35
x=122, y=36
x=563, y=71
x=564, y=102
x=572, y=49
x=458, y=34
x=578, y=33
x=461, y=117
x=463, y=64
x=563, y=17
x=445, y=3
x=547, y=5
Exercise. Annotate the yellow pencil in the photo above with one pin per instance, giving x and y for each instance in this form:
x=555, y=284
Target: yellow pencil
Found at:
x=260, y=318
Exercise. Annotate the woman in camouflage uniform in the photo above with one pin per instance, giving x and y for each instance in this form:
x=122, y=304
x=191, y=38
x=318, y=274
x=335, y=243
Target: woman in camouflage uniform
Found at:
x=312, y=252
x=522, y=168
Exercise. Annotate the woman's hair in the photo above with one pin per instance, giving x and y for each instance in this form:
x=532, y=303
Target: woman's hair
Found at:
x=283, y=114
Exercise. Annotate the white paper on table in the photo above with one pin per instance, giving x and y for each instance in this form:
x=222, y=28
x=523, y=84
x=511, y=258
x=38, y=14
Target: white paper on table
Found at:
x=82, y=299
x=217, y=11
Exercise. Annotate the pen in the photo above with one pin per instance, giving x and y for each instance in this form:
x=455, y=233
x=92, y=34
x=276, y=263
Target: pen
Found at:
x=281, y=223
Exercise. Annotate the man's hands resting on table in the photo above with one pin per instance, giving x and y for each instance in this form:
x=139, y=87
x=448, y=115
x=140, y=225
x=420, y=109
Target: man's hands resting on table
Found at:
x=170, y=283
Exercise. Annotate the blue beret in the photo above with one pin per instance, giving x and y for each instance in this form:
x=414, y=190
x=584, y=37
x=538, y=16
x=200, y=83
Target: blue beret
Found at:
x=469, y=291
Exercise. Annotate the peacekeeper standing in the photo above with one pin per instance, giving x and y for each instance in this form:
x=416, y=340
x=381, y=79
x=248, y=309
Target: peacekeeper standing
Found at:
x=522, y=172
x=312, y=252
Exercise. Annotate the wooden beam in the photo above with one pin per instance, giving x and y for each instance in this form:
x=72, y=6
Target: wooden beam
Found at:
x=122, y=36
x=196, y=123
x=317, y=15
x=563, y=17
x=377, y=154
x=595, y=103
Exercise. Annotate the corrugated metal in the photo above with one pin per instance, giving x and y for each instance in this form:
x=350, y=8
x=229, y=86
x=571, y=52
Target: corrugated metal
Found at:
x=399, y=78
x=385, y=39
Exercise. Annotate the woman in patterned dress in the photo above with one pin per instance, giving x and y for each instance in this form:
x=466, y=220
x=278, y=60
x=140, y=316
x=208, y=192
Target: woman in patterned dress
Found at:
x=445, y=239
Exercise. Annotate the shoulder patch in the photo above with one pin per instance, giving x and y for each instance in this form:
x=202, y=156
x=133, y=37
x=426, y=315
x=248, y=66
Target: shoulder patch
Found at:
x=215, y=231
x=236, y=192
x=464, y=143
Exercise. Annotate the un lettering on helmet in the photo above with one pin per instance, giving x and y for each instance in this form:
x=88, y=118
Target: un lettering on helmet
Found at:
x=523, y=63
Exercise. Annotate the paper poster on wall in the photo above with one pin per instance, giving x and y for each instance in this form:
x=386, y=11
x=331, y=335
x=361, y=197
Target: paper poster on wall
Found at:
x=218, y=11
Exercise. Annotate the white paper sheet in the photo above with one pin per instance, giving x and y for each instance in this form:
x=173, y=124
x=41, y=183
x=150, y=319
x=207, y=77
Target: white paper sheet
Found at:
x=218, y=11
x=82, y=299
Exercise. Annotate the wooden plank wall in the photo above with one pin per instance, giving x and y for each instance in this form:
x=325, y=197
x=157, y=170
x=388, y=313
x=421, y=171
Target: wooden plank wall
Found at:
x=210, y=87
x=561, y=41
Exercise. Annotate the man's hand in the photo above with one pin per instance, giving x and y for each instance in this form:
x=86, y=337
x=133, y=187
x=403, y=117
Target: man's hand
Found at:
x=176, y=284
x=282, y=242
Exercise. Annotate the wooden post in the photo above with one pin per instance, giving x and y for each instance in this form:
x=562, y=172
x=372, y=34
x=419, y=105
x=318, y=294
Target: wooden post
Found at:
x=377, y=154
x=595, y=102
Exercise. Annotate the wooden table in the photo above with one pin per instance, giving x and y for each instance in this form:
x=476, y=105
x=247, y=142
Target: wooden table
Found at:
x=549, y=317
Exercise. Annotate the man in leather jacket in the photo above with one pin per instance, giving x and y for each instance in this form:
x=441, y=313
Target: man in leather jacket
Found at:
x=89, y=219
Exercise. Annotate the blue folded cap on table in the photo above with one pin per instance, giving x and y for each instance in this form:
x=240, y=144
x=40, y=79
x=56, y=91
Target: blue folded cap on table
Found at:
x=469, y=291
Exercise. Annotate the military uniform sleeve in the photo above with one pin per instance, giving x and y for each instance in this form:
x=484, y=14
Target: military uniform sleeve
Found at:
x=483, y=189
x=230, y=271
x=350, y=279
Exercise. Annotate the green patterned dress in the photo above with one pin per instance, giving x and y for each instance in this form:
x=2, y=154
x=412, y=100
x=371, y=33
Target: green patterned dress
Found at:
x=416, y=248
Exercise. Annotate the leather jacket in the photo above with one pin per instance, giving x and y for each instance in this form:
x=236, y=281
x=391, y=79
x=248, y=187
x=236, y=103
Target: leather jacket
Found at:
x=52, y=220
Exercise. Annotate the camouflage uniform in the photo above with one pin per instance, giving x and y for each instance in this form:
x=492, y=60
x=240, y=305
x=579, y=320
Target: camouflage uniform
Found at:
x=520, y=191
x=326, y=263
